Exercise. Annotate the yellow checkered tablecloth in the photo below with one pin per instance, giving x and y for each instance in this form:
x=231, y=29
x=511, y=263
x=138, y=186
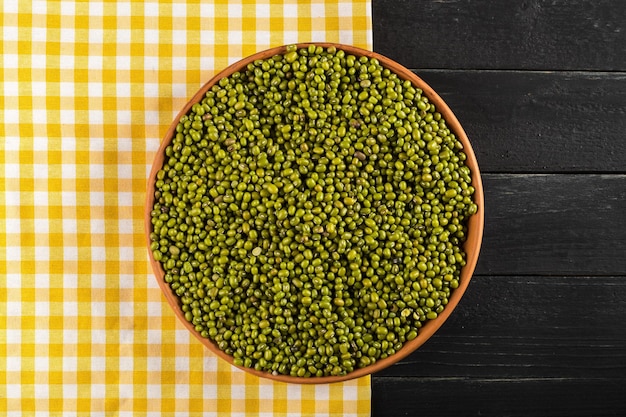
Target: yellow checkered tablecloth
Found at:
x=87, y=90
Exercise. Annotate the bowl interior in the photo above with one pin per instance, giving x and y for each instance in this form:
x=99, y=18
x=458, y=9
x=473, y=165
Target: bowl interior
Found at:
x=471, y=246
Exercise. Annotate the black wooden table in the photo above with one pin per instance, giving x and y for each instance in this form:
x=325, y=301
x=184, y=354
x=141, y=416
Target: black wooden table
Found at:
x=540, y=88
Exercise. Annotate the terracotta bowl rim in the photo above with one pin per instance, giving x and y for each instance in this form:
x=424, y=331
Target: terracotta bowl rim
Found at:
x=471, y=246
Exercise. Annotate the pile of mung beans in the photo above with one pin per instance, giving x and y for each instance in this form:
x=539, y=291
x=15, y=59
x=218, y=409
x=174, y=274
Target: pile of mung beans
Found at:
x=310, y=213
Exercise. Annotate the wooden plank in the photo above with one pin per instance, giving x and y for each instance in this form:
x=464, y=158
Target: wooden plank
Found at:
x=516, y=34
x=540, y=88
x=453, y=397
x=520, y=327
x=554, y=225
x=539, y=121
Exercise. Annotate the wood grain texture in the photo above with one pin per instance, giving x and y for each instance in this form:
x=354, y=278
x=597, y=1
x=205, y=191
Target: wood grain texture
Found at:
x=554, y=225
x=522, y=121
x=540, y=88
x=518, y=346
x=516, y=34
x=453, y=397
x=514, y=327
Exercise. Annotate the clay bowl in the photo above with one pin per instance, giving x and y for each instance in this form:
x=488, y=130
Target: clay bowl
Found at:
x=472, y=244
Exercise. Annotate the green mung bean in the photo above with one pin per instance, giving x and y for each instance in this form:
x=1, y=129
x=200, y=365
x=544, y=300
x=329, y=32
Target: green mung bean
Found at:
x=311, y=212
